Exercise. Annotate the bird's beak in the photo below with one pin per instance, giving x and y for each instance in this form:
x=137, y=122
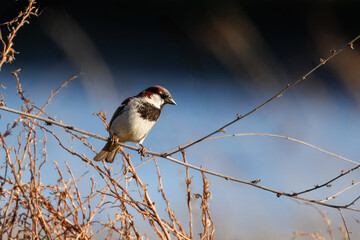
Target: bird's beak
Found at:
x=170, y=101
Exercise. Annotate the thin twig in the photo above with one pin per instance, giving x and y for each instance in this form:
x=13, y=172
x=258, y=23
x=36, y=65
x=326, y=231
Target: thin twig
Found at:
x=279, y=94
x=328, y=182
x=286, y=138
x=49, y=122
x=229, y=178
x=150, y=204
x=339, y=192
x=180, y=234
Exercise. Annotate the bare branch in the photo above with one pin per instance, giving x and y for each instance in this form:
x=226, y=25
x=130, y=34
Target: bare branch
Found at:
x=229, y=178
x=339, y=192
x=279, y=94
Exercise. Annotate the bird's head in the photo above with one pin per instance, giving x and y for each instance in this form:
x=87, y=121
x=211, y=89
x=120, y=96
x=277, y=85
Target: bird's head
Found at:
x=158, y=96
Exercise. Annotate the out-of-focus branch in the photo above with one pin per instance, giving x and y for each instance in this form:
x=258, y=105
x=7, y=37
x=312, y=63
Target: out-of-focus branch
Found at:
x=279, y=94
x=346, y=228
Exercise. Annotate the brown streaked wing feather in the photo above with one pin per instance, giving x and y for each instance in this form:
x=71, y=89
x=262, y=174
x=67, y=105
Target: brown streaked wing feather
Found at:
x=119, y=110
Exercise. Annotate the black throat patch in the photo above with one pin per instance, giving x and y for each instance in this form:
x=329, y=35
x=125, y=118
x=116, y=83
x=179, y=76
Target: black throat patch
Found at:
x=149, y=111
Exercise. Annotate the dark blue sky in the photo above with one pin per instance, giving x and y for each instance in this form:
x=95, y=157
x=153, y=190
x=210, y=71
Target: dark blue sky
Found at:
x=183, y=36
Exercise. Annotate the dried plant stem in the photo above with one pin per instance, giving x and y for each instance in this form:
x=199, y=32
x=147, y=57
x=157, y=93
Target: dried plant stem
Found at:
x=7, y=54
x=188, y=181
x=327, y=222
x=54, y=93
x=50, y=122
x=163, y=234
x=346, y=228
x=180, y=234
x=62, y=210
x=207, y=222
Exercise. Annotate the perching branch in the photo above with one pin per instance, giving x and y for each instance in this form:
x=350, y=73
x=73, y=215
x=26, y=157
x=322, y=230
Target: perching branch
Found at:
x=229, y=178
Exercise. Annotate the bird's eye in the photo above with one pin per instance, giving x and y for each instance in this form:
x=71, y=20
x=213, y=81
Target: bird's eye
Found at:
x=164, y=95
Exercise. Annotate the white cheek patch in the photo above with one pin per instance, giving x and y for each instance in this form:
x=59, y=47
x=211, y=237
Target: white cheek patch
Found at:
x=155, y=100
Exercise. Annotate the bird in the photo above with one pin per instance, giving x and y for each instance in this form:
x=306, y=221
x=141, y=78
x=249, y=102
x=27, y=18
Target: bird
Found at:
x=133, y=120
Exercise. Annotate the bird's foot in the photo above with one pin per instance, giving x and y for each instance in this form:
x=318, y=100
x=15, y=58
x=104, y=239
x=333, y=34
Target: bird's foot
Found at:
x=142, y=151
x=114, y=139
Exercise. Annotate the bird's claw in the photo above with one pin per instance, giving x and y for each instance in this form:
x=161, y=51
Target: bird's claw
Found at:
x=142, y=151
x=114, y=139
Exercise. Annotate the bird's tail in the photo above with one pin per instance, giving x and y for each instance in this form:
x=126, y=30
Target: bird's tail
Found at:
x=108, y=152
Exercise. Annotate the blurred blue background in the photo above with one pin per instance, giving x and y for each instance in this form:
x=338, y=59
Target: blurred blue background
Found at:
x=217, y=59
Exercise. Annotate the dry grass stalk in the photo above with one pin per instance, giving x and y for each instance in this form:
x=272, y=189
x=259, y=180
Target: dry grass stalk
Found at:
x=318, y=236
x=179, y=233
x=207, y=222
x=346, y=233
x=188, y=181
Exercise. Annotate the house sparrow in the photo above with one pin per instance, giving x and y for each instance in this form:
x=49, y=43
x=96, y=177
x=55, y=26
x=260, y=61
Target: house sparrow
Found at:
x=133, y=120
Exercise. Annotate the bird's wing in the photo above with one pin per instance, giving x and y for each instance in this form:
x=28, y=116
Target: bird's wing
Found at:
x=119, y=110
